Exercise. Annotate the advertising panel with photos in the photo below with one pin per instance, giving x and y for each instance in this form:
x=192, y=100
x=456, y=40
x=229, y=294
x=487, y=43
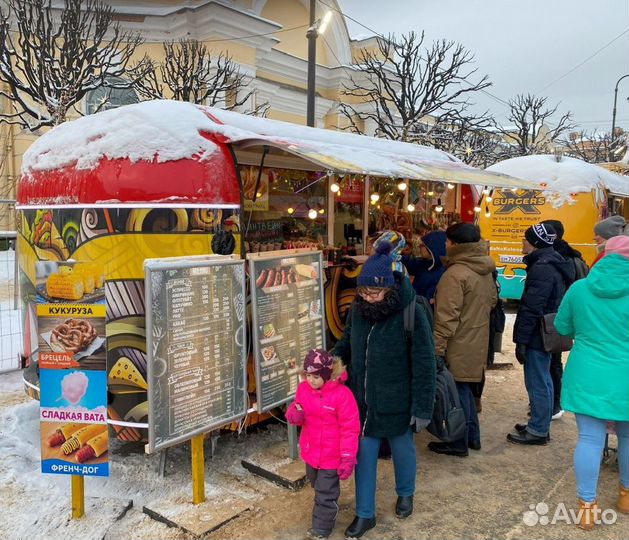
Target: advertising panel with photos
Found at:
x=288, y=320
x=72, y=370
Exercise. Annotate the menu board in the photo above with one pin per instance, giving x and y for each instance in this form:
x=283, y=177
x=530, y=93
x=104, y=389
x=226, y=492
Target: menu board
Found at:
x=288, y=320
x=196, y=344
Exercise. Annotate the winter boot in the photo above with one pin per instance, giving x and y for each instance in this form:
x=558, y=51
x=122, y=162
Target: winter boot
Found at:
x=587, y=513
x=623, y=500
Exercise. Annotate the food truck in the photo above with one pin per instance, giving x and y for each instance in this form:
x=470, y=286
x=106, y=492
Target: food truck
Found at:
x=171, y=179
x=577, y=193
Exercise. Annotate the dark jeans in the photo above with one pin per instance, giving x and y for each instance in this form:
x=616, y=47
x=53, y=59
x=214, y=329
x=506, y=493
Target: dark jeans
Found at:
x=327, y=491
x=539, y=386
x=556, y=373
x=472, y=433
x=478, y=387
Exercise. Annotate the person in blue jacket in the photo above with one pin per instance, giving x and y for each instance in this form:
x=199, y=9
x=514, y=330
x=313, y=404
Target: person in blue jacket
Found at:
x=427, y=269
x=548, y=276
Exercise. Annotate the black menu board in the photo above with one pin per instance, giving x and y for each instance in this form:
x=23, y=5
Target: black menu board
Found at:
x=288, y=319
x=196, y=345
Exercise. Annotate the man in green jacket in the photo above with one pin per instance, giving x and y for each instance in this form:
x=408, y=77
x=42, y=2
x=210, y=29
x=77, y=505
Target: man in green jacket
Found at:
x=393, y=386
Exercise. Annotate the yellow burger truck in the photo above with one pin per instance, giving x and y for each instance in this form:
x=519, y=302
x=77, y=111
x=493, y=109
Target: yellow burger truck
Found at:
x=574, y=192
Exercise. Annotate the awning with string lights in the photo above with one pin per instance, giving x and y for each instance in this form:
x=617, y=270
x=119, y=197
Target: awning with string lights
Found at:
x=354, y=154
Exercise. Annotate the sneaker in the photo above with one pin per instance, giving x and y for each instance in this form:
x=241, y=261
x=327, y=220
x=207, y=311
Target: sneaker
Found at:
x=558, y=414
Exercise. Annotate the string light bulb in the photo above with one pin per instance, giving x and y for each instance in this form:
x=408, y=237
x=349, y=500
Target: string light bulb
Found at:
x=487, y=212
x=477, y=209
x=402, y=186
x=322, y=210
x=431, y=193
x=485, y=191
x=450, y=186
x=375, y=197
x=334, y=187
x=290, y=210
x=489, y=198
x=411, y=207
x=312, y=213
x=439, y=207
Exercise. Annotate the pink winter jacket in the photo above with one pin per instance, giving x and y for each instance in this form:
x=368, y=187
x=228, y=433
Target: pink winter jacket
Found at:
x=330, y=423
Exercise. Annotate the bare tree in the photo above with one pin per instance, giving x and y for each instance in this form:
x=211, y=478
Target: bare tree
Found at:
x=50, y=63
x=469, y=138
x=591, y=147
x=190, y=73
x=401, y=83
x=530, y=131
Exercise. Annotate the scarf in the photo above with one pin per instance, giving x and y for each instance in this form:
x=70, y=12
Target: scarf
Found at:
x=380, y=311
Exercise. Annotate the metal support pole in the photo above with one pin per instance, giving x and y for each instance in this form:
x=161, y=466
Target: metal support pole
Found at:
x=312, y=66
x=78, y=496
x=293, y=450
x=614, y=115
x=198, y=469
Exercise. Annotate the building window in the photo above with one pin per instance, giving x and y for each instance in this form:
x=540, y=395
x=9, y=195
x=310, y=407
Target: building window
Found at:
x=104, y=98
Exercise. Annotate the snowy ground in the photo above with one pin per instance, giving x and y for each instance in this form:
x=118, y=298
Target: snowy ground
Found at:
x=481, y=497
x=10, y=329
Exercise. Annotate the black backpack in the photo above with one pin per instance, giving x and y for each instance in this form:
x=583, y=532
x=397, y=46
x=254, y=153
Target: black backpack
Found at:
x=448, y=419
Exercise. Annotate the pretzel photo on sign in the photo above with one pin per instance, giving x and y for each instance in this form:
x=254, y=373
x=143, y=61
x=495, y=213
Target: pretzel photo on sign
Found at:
x=73, y=335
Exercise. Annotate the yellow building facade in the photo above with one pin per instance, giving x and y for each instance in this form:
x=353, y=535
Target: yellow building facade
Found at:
x=265, y=38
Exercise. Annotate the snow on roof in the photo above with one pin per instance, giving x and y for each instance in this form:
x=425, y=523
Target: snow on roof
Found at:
x=568, y=175
x=275, y=128
x=165, y=130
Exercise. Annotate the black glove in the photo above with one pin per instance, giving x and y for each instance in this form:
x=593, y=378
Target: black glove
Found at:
x=520, y=352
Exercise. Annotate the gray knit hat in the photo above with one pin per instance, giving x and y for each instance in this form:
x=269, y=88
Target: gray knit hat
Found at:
x=610, y=227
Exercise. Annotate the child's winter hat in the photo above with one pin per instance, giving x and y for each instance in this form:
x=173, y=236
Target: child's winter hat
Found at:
x=541, y=235
x=319, y=362
x=377, y=270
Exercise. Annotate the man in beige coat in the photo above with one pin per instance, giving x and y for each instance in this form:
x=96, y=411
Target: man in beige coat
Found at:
x=465, y=296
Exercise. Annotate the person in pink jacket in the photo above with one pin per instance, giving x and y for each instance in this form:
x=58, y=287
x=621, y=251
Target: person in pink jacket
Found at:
x=330, y=426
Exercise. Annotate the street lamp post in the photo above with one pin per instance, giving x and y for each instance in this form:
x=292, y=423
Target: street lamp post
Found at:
x=312, y=34
x=315, y=28
x=614, y=113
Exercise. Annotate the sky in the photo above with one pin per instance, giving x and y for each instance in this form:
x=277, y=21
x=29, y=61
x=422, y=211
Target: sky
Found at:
x=524, y=46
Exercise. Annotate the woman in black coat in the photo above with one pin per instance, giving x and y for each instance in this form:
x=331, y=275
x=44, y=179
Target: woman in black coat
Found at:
x=393, y=386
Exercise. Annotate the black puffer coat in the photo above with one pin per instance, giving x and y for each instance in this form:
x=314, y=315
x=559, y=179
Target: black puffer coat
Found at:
x=388, y=386
x=548, y=276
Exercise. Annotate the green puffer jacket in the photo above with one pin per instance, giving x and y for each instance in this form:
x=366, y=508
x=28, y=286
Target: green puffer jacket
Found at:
x=389, y=388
